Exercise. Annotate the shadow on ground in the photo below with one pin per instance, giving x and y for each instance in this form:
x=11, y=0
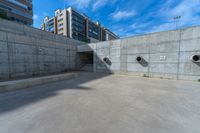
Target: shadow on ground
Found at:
x=13, y=100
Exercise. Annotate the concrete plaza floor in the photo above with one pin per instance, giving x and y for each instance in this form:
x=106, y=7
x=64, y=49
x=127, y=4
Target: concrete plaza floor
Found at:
x=100, y=103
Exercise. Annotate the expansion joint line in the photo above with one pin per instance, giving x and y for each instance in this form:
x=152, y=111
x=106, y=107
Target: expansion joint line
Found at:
x=179, y=52
x=9, y=63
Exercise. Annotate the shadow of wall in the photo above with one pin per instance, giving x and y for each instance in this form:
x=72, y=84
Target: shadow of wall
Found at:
x=28, y=52
x=10, y=101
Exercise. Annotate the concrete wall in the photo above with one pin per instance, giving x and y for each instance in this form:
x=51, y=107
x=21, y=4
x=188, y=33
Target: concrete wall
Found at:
x=167, y=54
x=27, y=52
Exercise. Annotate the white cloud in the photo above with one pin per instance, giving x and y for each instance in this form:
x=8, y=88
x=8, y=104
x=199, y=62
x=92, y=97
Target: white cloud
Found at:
x=162, y=27
x=35, y=17
x=123, y=14
x=140, y=25
x=187, y=9
x=120, y=31
x=79, y=3
x=134, y=26
x=101, y=3
x=98, y=4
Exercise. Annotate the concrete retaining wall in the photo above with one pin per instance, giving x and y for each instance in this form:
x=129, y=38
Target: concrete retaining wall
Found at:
x=27, y=52
x=167, y=54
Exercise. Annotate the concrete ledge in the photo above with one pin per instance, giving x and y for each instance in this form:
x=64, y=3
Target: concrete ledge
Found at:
x=25, y=83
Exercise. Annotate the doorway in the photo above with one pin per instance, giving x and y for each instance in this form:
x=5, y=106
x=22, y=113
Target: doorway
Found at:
x=85, y=61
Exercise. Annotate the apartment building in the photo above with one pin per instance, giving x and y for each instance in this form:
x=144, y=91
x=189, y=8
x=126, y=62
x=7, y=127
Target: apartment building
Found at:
x=49, y=24
x=93, y=31
x=17, y=10
x=74, y=24
x=110, y=35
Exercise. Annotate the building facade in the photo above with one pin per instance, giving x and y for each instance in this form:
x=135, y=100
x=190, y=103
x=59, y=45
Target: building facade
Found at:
x=17, y=10
x=110, y=35
x=49, y=24
x=74, y=24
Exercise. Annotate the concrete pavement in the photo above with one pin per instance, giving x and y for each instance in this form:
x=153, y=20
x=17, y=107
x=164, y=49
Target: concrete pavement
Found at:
x=99, y=103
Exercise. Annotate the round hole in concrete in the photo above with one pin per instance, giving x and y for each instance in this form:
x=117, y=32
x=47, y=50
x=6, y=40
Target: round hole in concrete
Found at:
x=105, y=59
x=139, y=58
x=196, y=58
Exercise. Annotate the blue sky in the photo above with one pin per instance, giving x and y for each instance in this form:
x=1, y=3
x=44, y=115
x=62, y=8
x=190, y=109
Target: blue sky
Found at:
x=128, y=17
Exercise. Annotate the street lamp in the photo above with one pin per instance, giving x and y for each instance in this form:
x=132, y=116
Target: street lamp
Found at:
x=176, y=19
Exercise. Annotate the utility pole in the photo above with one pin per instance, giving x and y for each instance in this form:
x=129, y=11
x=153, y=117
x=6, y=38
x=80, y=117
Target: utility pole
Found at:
x=176, y=20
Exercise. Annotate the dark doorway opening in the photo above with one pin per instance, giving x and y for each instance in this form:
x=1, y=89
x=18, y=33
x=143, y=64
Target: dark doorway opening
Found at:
x=85, y=61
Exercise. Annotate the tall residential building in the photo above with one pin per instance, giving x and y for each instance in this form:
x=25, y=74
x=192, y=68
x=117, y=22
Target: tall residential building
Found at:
x=17, y=10
x=74, y=24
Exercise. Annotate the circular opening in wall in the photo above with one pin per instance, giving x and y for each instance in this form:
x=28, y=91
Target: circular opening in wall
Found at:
x=105, y=59
x=139, y=59
x=195, y=58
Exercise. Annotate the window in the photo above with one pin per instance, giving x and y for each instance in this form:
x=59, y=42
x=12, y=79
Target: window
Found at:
x=61, y=29
x=60, y=20
x=61, y=15
x=29, y=8
x=60, y=25
x=18, y=4
x=18, y=12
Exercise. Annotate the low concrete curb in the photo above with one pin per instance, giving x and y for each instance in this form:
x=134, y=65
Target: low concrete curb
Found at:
x=25, y=83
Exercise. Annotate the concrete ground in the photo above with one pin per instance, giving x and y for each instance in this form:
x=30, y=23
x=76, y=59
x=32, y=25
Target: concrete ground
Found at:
x=99, y=103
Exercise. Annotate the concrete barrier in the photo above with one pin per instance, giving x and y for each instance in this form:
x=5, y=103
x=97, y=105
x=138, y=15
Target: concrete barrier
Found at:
x=25, y=83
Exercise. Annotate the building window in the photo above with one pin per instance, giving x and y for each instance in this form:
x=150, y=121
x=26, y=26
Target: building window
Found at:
x=61, y=15
x=30, y=8
x=18, y=4
x=61, y=29
x=60, y=25
x=60, y=20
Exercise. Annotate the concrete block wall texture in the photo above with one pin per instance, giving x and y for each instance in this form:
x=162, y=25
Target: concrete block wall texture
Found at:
x=167, y=54
x=27, y=52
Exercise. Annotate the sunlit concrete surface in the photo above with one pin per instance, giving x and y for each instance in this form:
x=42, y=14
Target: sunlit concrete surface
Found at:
x=99, y=103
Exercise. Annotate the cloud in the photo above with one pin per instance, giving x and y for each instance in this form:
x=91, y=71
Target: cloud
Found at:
x=123, y=14
x=98, y=4
x=140, y=25
x=160, y=19
x=121, y=31
x=101, y=3
x=35, y=17
x=161, y=27
x=79, y=3
x=188, y=10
